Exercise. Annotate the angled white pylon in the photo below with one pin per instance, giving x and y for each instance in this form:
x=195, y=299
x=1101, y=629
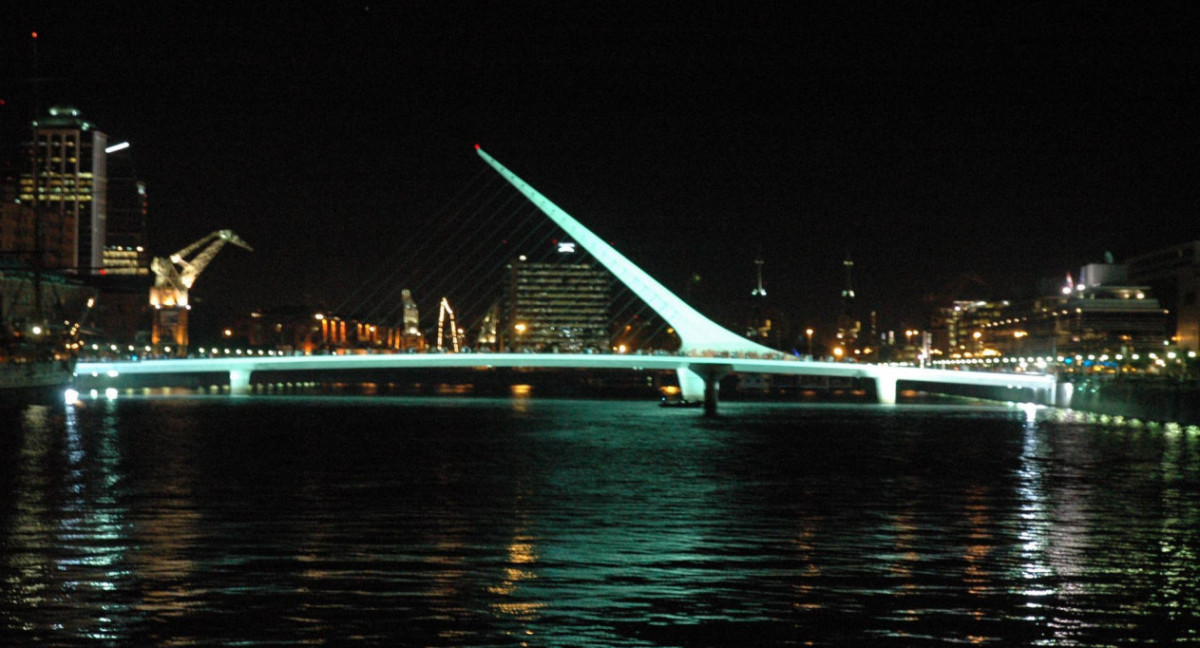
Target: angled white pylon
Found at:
x=696, y=332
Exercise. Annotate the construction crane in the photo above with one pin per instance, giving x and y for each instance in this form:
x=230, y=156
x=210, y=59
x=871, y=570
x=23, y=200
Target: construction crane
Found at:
x=173, y=276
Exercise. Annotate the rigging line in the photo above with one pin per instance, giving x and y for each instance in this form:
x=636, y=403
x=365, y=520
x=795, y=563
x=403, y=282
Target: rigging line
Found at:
x=414, y=256
x=374, y=281
x=440, y=275
x=477, y=244
x=465, y=233
x=546, y=252
x=545, y=255
x=624, y=296
x=657, y=330
x=418, y=281
x=414, y=253
x=642, y=308
x=616, y=314
x=498, y=259
x=390, y=259
x=622, y=320
x=453, y=202
x=491, y=277
x=466, y=299
x=544, y=225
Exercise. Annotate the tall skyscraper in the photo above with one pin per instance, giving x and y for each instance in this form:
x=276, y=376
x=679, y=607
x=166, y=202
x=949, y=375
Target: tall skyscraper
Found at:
x=848, y=326
x=125, y=245
x=561, y=305
x=67, y=183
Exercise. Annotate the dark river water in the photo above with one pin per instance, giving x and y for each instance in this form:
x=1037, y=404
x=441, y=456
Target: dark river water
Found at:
x=297, y=520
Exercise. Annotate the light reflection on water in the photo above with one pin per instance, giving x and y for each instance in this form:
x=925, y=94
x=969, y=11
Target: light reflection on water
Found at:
x=469, y=521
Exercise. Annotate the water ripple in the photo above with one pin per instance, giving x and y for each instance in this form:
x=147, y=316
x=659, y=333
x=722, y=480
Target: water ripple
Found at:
x=286, y=521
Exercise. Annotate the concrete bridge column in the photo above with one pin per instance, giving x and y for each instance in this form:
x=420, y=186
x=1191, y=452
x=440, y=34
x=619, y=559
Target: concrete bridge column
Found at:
x=1060, y=394
x=239, y=382
x=885, y=389
x=691, y=385
x=703, y=381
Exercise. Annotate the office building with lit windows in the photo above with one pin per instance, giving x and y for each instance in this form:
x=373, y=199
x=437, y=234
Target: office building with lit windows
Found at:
x=66, y=182
x=125, y=246
x=17, y=230
x=1174, y=275
x=1102, y=312
x=561, y=305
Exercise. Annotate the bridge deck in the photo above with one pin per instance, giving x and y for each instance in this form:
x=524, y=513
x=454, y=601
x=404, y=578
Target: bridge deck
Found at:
x=885, y=377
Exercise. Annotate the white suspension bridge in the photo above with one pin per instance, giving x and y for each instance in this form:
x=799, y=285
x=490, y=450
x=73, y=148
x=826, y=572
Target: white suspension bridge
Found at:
x=708, y=351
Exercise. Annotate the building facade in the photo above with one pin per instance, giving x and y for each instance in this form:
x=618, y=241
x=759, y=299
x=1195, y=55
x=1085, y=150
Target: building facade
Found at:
x=957, y=329
x=67, y=184
x=125, y=243
x=306, y=331
x=556, y=306
x=1174, y=275
x=1101, y=313
x=17, y=239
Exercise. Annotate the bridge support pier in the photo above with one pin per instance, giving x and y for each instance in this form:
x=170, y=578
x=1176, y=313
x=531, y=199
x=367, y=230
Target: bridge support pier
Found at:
x=239, y=382
x=885, y=390
x=1059, y=393
x=703, y=381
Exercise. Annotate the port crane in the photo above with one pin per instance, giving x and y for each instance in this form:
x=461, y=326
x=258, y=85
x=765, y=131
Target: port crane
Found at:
x=173, y=276
x=455, y=333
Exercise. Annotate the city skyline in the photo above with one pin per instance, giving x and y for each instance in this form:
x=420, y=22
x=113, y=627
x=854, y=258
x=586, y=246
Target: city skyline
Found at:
x=1013, y=146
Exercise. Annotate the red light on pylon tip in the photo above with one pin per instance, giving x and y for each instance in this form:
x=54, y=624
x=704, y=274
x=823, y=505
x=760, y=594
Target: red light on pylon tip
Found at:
x=35, y=34
x=476, y=147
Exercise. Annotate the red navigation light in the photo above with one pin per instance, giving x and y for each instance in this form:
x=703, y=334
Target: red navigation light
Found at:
x=35, y=34
x=476, y=147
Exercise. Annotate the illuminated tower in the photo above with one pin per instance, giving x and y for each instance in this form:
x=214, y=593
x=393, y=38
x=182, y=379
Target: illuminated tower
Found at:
x=68, y=184
x=847, y=326
x=759, y=291
x=760, y=324
x=125, y=246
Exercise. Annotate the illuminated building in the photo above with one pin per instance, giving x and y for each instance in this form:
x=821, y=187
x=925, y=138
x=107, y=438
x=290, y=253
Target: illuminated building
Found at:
x=68, y=188
x=847, y=326
x=16, y=229
x=958, y=328
x=556, y=306
x=303, y=330
x=125, y=247
x=289, y=329
x=1102, y=312
x=1174, y=275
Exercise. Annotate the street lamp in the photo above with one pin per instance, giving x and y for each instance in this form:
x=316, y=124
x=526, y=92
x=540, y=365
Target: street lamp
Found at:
x=808, y=333
x=519, y=328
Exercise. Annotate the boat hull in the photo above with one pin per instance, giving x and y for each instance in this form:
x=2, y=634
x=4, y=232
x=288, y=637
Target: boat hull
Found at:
x=35, y=382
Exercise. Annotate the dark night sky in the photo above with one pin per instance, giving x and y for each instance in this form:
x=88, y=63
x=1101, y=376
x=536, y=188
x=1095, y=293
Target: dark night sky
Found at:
x=1013, y=144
